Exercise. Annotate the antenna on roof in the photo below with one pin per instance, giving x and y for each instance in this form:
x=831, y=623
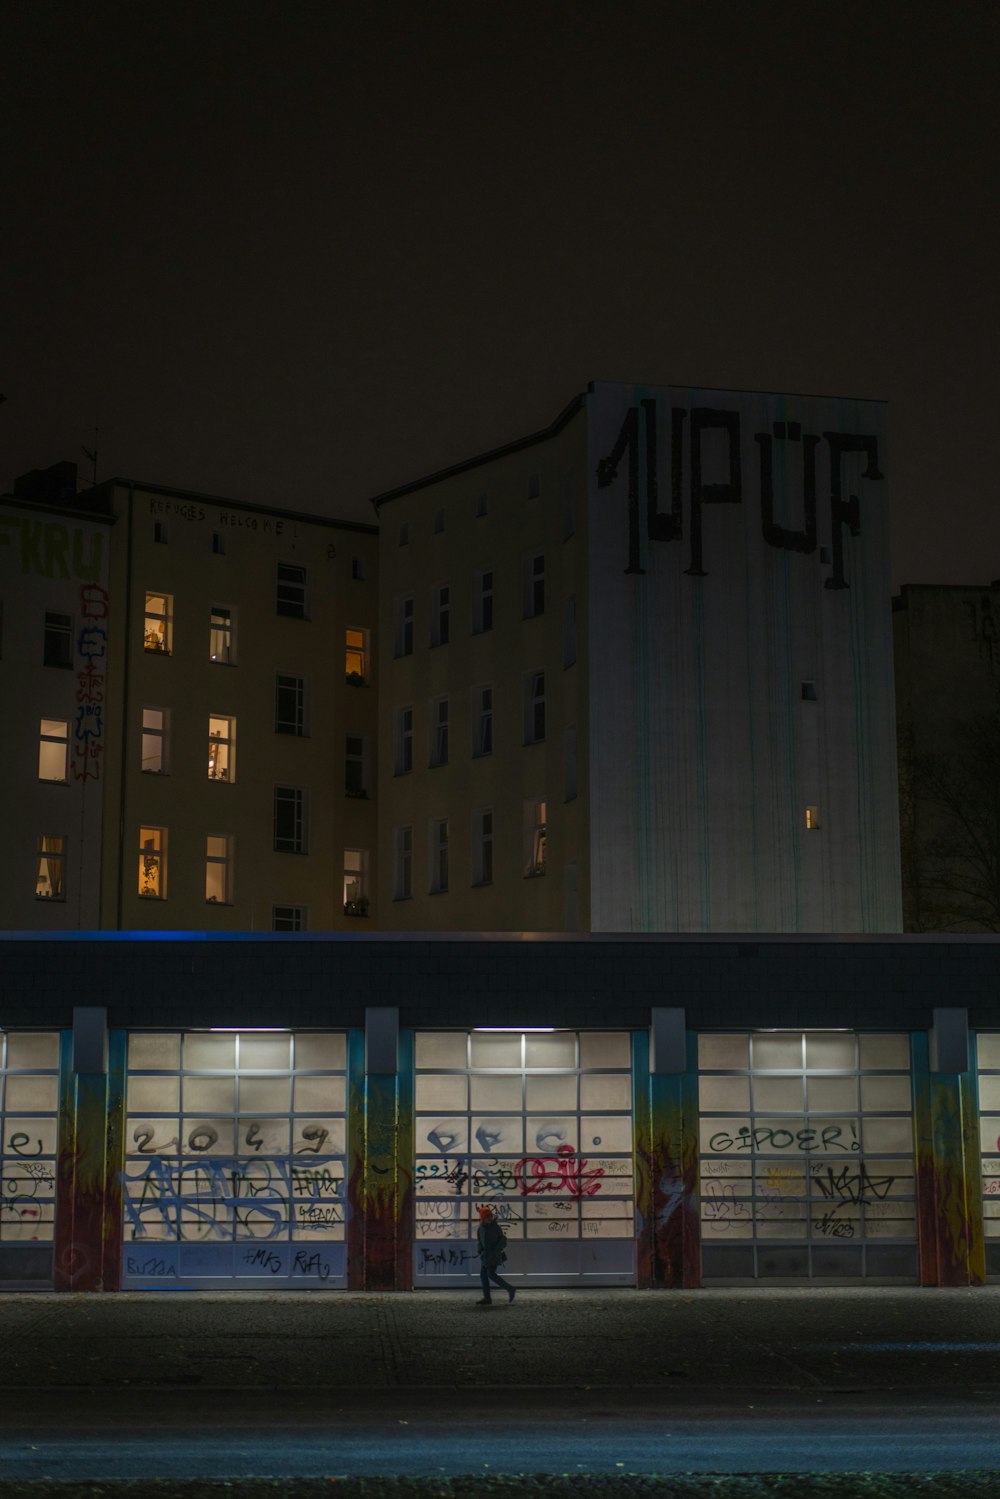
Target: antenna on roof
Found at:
x=91, y=453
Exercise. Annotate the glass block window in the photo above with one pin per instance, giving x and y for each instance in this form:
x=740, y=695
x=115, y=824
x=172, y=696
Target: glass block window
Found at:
x=538, y=1124
x=29, y=1102
x=235, y=1142
x=988, y=1068
x=806, y=1146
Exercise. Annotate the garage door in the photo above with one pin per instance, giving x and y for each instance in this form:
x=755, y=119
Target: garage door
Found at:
x=988, y=1065
x=806, y=1143
x=539, y=1124
x=235, y=1159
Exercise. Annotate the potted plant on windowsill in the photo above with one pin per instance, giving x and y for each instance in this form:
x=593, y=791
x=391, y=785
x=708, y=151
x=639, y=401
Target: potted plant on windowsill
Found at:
x=357, y=907
x=354, y=679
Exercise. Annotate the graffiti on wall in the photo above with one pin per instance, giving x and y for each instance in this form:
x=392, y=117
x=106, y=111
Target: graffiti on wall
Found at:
x=48, y=549
x=91, y=647
x=237, y=1198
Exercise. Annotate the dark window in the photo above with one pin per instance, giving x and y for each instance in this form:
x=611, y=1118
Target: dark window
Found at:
x=289, y=919
x=290, y=597
x=289, y=820
x=58, y=639
x=289, y=704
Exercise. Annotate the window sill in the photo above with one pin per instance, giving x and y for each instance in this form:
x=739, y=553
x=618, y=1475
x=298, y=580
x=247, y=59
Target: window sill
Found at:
x=150, y=896
x=154, y=650
x=403, y=772
x=403, y=897
x=226, y=904
x=437, y=765
x=353, y=680
x=535, y=874
x=357, y=796
x=214, y=661
x=481, y=884
x=55, y=900
x=155, y=772
x=357, y=915
x=59, y=665
x=43, y=782
x=442, y=891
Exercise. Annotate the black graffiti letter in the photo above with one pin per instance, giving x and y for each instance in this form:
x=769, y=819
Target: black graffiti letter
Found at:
x=782, y=536
x=730, y=493
x=607, y=472
x=846, y=512
x=664, y=526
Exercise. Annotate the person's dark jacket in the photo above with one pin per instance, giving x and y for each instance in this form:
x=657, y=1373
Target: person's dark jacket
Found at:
x=490, y=1240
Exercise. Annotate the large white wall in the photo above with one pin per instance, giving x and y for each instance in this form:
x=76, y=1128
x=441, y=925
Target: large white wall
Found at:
x=703, y=754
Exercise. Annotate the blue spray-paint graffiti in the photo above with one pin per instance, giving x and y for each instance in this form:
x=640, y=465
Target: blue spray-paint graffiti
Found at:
x=232, y=1198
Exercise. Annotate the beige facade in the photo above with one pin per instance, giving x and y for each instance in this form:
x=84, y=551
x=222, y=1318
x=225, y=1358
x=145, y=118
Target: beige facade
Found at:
x=507, y=540
x=237, y=765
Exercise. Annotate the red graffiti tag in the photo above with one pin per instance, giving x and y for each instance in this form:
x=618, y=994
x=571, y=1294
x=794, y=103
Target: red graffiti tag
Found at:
x=564, y=1171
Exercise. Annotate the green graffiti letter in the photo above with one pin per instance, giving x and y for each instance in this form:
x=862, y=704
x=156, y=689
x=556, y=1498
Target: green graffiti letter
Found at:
x=56, y=546
x=89, y=571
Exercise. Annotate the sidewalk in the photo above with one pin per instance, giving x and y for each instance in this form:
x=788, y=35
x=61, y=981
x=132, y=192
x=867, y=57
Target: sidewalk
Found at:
x=728, y=1341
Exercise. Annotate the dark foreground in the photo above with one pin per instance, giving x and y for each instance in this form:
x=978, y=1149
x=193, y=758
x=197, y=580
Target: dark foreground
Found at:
x=877, y=1392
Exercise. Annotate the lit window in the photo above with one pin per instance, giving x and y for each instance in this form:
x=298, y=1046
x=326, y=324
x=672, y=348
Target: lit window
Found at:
x=403, y=882
x=482, y=619
x=218, y=869
x=53, y=750
x=534, y=585
x=534, y=837
x=439, y=731
x=534, y=707
x=355, y=780
x=289, y=820
x=289, y=919
x=355, y=882
x=356, y=655
x=221, y=749
x=439, y=855
x=221, y=636
x=440, y=614
x=58, y=641
x=158, y=624
x=290, y=593
x=289, y=704
x=404, y=741
x=812, y=818
x=404, y=625
x=482, y=721
x=50, y=876
x=154, y=741
x=482, y=846
x=153, y=863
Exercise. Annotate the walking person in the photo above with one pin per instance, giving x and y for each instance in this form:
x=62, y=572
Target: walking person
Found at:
x=492, y=1244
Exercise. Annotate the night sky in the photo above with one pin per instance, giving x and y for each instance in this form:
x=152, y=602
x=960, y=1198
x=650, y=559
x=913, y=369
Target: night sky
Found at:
x=298, y=253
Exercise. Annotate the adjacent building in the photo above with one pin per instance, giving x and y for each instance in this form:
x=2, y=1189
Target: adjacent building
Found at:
x=635, y=674
x=191, y=711
x=947, y=670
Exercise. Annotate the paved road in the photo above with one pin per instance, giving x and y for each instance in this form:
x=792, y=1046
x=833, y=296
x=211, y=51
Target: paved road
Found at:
x=563, y=1381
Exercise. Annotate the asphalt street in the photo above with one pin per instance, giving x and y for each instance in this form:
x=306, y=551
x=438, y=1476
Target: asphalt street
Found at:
x=240, y=1384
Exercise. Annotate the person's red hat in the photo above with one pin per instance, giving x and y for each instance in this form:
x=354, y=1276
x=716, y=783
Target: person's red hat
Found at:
x=486, y=1212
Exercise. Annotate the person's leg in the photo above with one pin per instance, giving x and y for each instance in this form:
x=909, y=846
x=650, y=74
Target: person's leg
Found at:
x=484, y=1281
x=504, y=1285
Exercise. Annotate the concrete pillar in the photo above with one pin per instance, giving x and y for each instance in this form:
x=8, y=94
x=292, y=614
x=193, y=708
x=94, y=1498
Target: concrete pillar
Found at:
x=949, y=1191
x=88, y=1231
x=665, y=1105
x=380, y=1142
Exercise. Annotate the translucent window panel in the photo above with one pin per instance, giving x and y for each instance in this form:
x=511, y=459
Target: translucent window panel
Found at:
x=782, y=1093
x=27, y=1138
x=723, y=1212
x=320, y=1095
x=265, y=1094
x=209, y=1095
x=884, y=1180
x=727, y=1169
x=440, y=1179
x=441, y=1091
x=837, y=1220
x=320, y=1137
x=989, y=1092
x=491, y=1176
x=492, y=1050
x=723, y=1136
x=497, y=1134
x=561, y=1211
x=780, y=1052
x=789, y=1226
x=831, y=1050
x=607, y=1132
x=885, y=1051
x=265, y=1053
x=880, y=1094
x=779, y=1181
x=889, y=1135
x=263, y=1137
x=988, y=1049
x=33, y=1095
x=723, y=1053
x=24, y=1220
x=877, y=1227
x=550, y=1093
x=989, y=1133
x=546, y=1136
x=25, y=1049
x=209, y=1053
x=829, y=1094
x=728, y=1094
x=558, y=1050
x=315, y=1051
x=443, y=1136
x=153, y=1095
x=152, y=1136
x=441, y=1049
x=160, y=1052
x=502, y=1093
x=207, y=1137
x=607, y=1092
x=605, y=1049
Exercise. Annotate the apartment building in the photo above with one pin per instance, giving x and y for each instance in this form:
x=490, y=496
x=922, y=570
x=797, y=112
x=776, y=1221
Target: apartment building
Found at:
x=198, y=687
x=636, y=673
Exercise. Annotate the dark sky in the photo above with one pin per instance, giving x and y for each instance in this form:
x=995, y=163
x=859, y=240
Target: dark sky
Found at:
x=299, y=252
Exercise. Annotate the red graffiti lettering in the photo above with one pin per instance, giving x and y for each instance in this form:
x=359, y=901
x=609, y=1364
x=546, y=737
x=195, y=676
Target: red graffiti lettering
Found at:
x=563, y=1172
